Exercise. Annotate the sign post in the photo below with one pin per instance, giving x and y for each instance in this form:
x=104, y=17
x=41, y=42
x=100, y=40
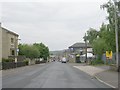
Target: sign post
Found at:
x=109, y=55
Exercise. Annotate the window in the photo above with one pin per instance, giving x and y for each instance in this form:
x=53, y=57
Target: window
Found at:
x=12, y=40
x=13, y=52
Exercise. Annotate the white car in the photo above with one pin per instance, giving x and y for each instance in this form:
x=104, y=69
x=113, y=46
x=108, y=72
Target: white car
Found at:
x=64, y=60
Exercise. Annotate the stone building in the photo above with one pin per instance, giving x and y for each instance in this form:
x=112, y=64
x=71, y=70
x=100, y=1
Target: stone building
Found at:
x=80, y=47
x=9, y=43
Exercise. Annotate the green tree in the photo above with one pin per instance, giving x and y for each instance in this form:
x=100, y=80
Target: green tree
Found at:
x=29, y=51
x=99, y=46
x=109, y=6
x=99, y=39
x=104, y=39
x=108, y=36
x=119, y=26
x=91, y=35
x=43, y=50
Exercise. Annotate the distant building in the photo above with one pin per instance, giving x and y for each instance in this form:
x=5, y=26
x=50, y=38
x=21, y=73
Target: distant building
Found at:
x=9, y=42
x=80, y=47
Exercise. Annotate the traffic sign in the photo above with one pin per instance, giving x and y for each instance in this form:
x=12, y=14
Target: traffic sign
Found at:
x=109, y=54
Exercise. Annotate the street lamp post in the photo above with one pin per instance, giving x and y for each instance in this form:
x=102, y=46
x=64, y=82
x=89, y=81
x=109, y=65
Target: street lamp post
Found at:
x=85, y=48
x=16, y=52
x=116, y=33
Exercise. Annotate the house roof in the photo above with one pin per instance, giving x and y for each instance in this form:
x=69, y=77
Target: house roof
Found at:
x=80, y=45
x=10, y=31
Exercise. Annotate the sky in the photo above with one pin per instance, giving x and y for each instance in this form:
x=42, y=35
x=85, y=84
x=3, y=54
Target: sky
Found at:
x=56, y=23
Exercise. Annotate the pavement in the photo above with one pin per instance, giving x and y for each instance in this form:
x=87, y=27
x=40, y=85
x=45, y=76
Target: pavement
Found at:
x=50, y=75
x=101, y=73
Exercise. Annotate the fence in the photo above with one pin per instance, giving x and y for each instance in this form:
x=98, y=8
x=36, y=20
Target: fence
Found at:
x=10, y=65
x=112, y=61
x=20, y=64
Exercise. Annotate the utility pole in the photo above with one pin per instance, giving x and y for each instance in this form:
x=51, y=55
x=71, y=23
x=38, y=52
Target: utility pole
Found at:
x=0, y=47
x=16, y=49
x=116, y=33
x=85, y=48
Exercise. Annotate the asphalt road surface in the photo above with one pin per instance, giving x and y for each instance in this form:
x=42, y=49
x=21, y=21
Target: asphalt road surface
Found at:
x=50, y=75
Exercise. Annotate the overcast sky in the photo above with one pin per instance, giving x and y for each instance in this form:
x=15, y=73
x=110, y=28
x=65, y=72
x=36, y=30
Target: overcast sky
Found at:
x=57, y=24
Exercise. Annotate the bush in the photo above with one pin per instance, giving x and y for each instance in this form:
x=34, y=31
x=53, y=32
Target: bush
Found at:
x=37, y=62
x=26, y=62
x=8, y=65
x=7, y=60
x=96, y=62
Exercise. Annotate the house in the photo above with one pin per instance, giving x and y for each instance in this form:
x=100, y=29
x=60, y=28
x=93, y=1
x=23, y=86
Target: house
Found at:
x=80, y=48
x=8, y=43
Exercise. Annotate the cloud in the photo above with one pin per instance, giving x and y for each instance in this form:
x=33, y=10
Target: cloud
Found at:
x=52, y=1
x=57, y=24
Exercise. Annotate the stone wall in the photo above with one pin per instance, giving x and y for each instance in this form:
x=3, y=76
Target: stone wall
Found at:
x=7, y=46
x=31, y=62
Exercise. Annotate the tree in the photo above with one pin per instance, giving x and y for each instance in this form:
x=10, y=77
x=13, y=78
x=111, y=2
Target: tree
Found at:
x=100, y=40
x=43, y=50
x=108, y=36
x=104, y=39
x=119, y=26
x=99, y=46
x=91, y=35
x=29, y=51
x=111, y=26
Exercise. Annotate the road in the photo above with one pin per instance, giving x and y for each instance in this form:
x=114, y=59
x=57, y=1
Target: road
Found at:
x=50, y=75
